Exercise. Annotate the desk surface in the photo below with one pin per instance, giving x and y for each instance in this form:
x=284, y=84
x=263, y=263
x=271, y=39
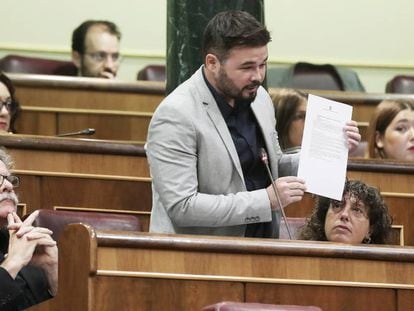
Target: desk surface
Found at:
x=158, y=271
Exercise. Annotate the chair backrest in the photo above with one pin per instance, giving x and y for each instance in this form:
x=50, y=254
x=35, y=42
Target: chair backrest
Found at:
x=152, y=73
x=295, y=223
x=56, y=221
x=303, y=75
x=400, y=84
x=245, y=306
x=34, y=65
x=311, y=76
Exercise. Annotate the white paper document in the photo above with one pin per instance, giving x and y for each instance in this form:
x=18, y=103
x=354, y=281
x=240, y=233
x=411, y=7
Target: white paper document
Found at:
x=324, y=152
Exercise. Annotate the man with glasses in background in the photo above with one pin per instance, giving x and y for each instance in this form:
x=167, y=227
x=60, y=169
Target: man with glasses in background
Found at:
x=95, y=49
x=28, y=255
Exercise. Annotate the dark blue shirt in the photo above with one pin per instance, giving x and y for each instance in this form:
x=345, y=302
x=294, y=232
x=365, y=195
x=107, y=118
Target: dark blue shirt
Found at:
x=248, y=140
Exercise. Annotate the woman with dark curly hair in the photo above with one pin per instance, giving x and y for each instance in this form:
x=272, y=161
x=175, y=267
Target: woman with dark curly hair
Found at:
x=10, y=107
x=361, y=217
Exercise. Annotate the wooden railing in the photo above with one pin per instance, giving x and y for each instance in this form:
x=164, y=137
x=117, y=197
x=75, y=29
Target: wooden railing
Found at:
x=90, y=173
x=122, y=110
x=141, y=271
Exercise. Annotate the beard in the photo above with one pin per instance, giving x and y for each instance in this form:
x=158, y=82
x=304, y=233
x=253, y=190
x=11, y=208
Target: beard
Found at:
x=230, y=90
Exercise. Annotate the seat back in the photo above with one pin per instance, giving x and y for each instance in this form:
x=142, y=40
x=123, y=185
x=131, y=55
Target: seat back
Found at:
x=34, y=65
x=56, y=221
x=295, y=223
x=320, y=77
x=400, y=84
x=245, y=306
x=312, y=76
x=152, y=73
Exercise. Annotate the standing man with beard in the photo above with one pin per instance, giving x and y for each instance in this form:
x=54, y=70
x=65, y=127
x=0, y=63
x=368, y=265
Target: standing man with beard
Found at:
x=205, y=138
x=95, y=49
x=28, y=255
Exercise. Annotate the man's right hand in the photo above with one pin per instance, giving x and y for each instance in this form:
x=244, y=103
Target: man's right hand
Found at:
x=290, y=188
x=23, y=240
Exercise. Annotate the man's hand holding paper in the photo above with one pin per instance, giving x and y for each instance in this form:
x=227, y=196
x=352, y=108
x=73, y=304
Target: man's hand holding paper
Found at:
x=329, y=134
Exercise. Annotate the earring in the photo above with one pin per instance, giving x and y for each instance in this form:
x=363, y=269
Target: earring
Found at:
x=367, y=240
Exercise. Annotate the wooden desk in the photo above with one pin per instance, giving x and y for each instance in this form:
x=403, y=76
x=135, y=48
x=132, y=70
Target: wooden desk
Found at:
x=122, y=110
x=74, y=155
x=89, y=173
x=363, y=103
x=141, y=271
x=144, y=96
x=108, y=124
x=79, y=173
x=87, y=93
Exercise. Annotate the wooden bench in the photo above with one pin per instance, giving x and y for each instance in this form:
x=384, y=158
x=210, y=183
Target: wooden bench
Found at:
x=53, y=105
x=108, y=124
x=45, y=190
x=72, y=155
x=142, y=271
x=89, y=173
x=87, y=93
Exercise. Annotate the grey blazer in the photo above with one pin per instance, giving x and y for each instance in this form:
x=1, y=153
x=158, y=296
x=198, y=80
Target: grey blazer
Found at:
x=197, y=180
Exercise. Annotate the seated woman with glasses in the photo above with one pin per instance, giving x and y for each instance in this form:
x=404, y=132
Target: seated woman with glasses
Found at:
x=290, y=106
x=10, y=107
x=361, y=217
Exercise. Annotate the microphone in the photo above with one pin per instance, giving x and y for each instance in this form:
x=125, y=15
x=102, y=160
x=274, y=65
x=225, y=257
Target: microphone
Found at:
x=89, y=131
x=265, y=160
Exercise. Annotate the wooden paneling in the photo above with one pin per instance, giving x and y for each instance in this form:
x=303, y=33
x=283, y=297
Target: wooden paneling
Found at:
x=143, y=216
x=91, y=173
x=193, y=271
x=46, y=190
x=108, y=124
x=48, y=100
x=78, y=156
x=87, y=93
x=363, y=103
x=325, y=297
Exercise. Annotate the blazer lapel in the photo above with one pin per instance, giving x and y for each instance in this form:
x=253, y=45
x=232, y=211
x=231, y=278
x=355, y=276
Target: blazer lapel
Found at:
x=217, y=118
x=269, y=134
x=221, y=127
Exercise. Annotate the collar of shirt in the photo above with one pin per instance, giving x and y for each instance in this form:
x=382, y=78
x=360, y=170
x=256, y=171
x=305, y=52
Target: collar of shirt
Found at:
x=225, y=109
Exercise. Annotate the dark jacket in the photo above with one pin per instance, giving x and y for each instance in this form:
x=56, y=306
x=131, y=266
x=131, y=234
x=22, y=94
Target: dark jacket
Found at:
x=30, y=286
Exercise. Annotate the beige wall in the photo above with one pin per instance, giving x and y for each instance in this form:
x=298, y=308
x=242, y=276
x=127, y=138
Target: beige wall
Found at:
x=370, y=36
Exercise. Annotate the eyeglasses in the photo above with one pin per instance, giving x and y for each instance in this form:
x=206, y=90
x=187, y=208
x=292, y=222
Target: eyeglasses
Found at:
x=14, y=180
x=100, y=57
x=355, y=210
x=8, y=103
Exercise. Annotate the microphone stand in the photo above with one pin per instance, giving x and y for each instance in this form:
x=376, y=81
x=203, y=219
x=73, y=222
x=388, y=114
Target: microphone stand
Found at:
x=89, y=131
x=265, y=160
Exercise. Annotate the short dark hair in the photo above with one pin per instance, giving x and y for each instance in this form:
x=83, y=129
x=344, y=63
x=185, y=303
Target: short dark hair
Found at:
x=79, y=34
x=229, y=29
x=15, y=108
x=380, y=220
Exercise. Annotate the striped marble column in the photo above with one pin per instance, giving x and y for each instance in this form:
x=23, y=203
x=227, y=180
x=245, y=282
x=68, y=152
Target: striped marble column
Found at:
x=186, y=20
